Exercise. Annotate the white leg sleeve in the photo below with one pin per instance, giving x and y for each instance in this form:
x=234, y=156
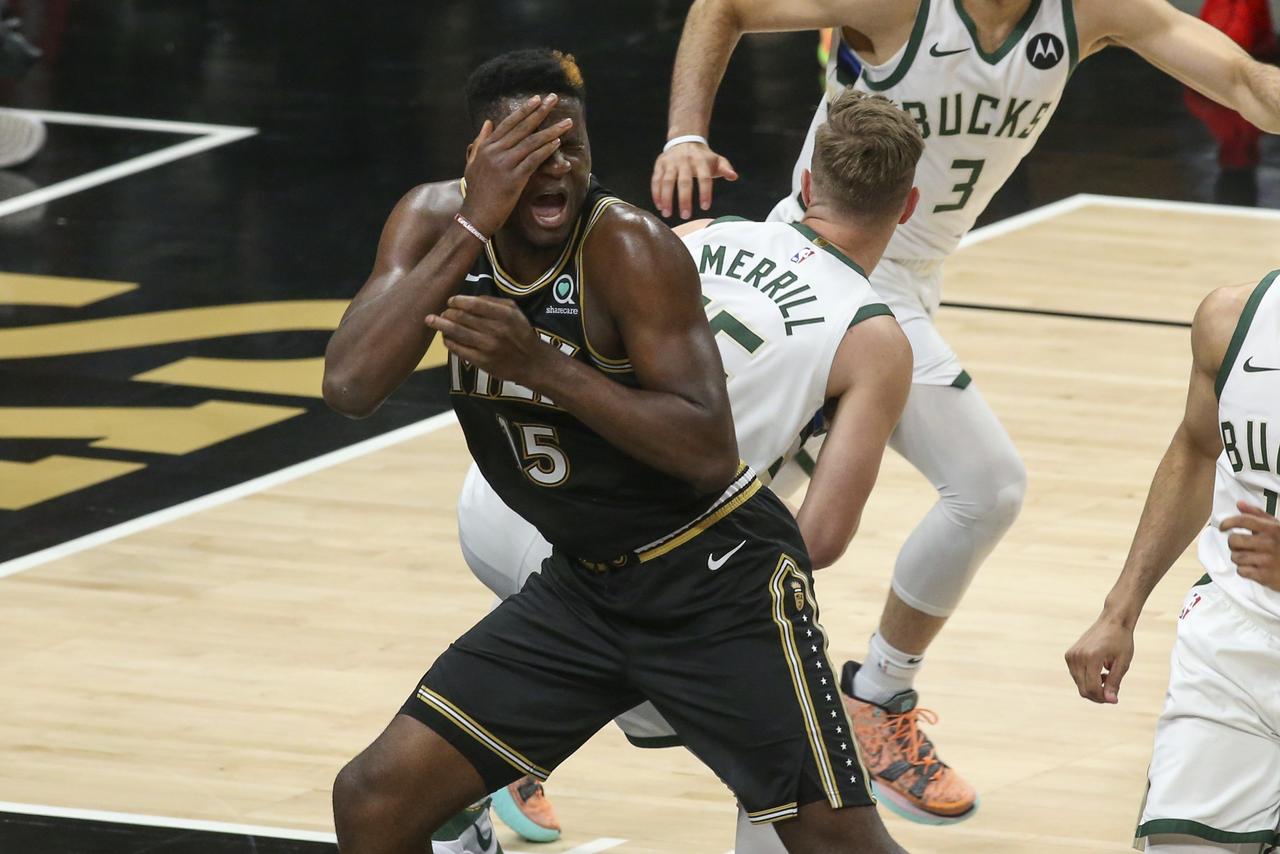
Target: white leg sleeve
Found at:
x=499, y=546
x=954, y=439
x=1178, y=844
x=756, y=838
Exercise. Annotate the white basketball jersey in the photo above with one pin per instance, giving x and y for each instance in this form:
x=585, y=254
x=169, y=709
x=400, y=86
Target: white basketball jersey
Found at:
x=779, y=299
x=980, y=113
x=1248, y=469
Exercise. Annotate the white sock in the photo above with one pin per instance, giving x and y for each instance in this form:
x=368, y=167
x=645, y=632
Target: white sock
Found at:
x=885, y=671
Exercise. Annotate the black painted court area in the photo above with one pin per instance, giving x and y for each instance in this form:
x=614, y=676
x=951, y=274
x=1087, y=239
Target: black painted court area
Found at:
x=27, y=834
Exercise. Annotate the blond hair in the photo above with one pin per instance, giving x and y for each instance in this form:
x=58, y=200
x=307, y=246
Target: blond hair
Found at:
x=865, y=155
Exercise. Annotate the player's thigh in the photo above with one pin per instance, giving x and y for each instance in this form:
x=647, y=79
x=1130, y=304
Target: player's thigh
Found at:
x=746, y=681
x=1215, y=767
x=500, y=547
x=527, y=685
x=819, y=829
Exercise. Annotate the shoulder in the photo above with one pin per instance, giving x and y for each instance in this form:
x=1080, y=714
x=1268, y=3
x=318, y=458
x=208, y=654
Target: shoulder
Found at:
x=873, y=351
x=1215, y=324
x=417, y=222
x=625, y=234
x=438, y=200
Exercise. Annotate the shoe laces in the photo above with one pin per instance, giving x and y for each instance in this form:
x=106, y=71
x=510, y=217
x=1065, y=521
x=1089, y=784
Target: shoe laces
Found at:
x=904, y=730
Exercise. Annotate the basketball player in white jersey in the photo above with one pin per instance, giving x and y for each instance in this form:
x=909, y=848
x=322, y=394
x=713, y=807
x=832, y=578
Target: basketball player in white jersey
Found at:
x=806, y=344
x=982, y=79
x=1214, y=781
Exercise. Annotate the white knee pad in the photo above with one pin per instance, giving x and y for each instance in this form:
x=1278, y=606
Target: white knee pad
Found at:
x=955, y=440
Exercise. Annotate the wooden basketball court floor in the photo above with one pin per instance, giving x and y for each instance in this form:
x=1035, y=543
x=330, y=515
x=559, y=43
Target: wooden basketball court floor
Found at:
x=221, y=665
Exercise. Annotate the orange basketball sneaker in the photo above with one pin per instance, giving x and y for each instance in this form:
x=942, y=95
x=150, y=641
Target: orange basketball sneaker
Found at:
x=523, y=807
x=905, y=770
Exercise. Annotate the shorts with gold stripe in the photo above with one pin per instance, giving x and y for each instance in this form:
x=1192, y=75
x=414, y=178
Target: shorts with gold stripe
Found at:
x=720, y=632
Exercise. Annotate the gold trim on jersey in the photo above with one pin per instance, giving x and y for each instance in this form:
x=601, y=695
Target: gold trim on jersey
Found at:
x=744, y=485
x=505, y=281
x=777, y=813
x=604, y=363
x=468, y=725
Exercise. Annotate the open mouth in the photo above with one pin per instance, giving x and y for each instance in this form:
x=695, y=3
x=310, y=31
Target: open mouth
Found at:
x=550, y=210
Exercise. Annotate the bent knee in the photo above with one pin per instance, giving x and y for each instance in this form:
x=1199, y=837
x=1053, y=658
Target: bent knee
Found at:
x=990, y=492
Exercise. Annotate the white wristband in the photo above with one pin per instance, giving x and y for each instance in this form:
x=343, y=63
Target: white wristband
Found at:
x=681, y=140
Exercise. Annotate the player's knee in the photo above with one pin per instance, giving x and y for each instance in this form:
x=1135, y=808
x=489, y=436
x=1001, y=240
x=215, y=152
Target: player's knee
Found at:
x=992, y=491
x=356, y=801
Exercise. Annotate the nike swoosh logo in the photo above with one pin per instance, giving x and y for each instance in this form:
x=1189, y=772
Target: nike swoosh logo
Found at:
x=478, y=277
x=1250, y=369
x=483, y=840
x=714, y=563
x=933, y=51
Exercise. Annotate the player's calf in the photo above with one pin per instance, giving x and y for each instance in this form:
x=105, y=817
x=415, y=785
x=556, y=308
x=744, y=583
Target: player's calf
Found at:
x=819, y=829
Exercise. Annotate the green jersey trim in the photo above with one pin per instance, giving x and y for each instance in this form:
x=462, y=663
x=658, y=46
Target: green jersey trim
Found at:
x=1019, y=31
x=909, y=56
x=875, y=309
x=1069, y=24
x=822, y=243
x=723, y=219
x=962, y=381
x=1242, y=331
x=1204, y=831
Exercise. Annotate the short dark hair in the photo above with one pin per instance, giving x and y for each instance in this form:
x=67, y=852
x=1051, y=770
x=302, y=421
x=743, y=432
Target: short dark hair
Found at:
x=534, y=71
x=865, y=155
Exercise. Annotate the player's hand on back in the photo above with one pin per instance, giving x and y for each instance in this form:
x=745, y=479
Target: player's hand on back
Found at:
x=503, y=157
x=1099, y=660
x=1255, y=544
x=495, y=336
x=677, y=170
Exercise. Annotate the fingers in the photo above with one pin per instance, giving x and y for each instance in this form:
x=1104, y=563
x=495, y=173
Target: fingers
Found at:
x=1255, y=524
x=1111, y=682
x=684, y=189
x=724, y=169
x=702, y=169
x=541, y=145
x=1086, y=676
x=661, y=186
x=1253, y=510
x=490, y=307
x=518, y=115
x=1246, y=543
x=532, y=121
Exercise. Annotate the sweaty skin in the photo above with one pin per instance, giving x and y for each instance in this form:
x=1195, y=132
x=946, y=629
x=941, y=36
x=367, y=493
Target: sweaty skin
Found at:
x=1177, y=43
x=647, y=308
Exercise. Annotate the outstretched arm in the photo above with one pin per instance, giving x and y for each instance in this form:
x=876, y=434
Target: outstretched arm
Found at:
x=1188, y=49
x=711, y=32
x=678, y=420
x=1178, y=503
x=871, y=376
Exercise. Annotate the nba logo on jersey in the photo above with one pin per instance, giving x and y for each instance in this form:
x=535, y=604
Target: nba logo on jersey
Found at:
x=803, y=255
x=1045, y=51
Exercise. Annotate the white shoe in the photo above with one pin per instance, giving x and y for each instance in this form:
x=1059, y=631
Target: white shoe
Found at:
x=476, y=838
x=20, y=138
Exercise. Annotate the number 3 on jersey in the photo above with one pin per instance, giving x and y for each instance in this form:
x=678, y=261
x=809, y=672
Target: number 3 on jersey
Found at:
x=965, y=187
x=541, y=460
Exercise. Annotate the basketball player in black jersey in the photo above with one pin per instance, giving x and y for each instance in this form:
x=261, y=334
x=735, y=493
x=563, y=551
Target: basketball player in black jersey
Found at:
x=592, y=397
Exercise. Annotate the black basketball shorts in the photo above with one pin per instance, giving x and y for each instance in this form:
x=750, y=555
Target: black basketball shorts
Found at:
x=718, y=629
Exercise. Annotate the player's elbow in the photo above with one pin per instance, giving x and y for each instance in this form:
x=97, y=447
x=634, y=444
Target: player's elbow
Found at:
x=712, y=472
x=828, y=545
x=344, y=396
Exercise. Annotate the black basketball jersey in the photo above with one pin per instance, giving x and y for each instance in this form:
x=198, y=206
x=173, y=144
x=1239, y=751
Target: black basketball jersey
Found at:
x=583, y=494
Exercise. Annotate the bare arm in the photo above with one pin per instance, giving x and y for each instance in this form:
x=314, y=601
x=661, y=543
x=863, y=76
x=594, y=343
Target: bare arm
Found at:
x=871, y=376
x=1178, y=504
x=422, y=258
x=678, y=420
x=1188, y=49
x=711, y=32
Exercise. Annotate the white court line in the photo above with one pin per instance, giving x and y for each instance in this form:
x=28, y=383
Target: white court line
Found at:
x=124, y=122
x=593, y=847
x=231, y=493
x=208, y=136
x=1024, y=219
x=1183, y=207
x=167, y=821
